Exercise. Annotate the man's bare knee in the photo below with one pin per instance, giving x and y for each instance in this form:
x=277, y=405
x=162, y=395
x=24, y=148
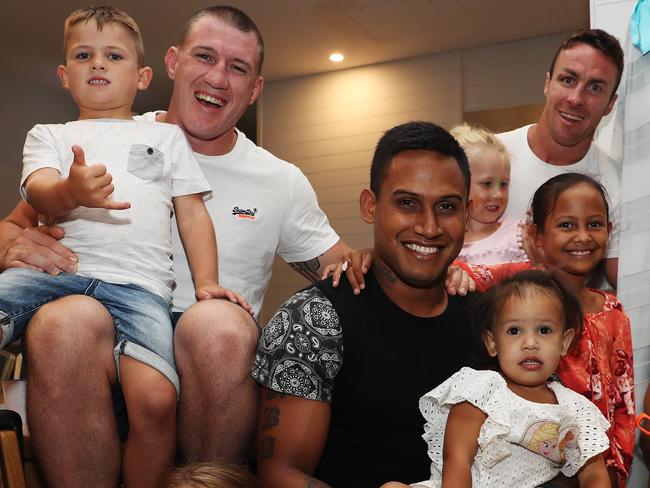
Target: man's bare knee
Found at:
x=71, y=319
x=216, y=324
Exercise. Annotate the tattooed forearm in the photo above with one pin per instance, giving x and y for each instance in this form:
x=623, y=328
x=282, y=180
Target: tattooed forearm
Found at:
x=271, y=417
x=314, y=483
x=266, y=447
x=309, y=269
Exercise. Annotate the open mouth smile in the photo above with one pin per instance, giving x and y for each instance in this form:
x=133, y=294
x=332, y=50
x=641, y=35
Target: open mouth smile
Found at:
x=428, y=250
x=98, y=81
x=210, y=100
x=571, y=117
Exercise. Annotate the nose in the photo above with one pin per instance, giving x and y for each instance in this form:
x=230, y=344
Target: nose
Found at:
x=216, y=76
x=427, y=224
x=497, y=192
x=530, y=341
x=582, y=234
x=575, y=96
x=98, y=64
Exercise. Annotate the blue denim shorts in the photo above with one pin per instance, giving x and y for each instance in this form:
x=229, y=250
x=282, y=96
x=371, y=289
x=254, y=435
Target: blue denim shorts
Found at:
x=142, y=319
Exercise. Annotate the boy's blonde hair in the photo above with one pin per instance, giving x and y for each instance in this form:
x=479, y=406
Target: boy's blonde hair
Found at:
x=210, y=475
x=102, y=15
x=471, y=136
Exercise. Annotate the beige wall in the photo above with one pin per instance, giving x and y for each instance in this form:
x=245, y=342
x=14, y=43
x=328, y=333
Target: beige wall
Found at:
x=26, y=105
x=328, y=124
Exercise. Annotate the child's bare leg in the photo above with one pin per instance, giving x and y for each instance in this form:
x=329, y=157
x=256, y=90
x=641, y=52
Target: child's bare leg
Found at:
x=151, y=404
x=394, y=484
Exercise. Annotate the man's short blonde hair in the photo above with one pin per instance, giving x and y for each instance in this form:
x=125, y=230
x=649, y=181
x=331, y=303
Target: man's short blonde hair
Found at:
x=102, y=15
x=472, y=137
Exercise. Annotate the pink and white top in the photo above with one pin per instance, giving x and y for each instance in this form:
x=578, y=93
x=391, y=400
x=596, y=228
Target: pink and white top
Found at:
x=503, y=246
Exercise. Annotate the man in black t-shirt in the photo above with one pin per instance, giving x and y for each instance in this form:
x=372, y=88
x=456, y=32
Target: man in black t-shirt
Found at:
x=341, y=374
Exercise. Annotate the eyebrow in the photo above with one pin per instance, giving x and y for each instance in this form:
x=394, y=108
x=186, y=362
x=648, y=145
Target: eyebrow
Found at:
x=212, y=50
x=400, y=192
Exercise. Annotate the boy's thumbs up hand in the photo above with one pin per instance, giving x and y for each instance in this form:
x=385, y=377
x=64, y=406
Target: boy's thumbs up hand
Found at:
x=91, y=186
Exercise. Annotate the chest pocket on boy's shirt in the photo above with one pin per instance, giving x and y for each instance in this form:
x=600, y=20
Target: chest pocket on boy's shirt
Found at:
x=145, y=162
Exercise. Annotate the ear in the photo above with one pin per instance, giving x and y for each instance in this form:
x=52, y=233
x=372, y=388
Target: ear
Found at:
x=490, y=343
x=145, y=75
x=62, y=73
x=567, y=340
x=258, y=87
x=611, y=104
x=535, y=235
x=609, y=229
x=367, y=203
x=468, y=214
x=171, y=59
x=547, y=82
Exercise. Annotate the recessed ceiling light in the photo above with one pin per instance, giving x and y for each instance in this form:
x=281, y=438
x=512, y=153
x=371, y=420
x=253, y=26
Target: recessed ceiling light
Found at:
x=336, y=57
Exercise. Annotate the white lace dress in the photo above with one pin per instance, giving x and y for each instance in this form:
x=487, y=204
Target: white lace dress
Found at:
x=521, y=443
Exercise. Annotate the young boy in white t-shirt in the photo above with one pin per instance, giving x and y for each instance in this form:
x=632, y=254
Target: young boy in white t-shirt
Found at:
x=116, y=218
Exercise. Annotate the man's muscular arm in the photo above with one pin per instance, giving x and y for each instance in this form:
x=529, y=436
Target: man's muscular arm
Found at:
x=24, y=245
x=291, y=435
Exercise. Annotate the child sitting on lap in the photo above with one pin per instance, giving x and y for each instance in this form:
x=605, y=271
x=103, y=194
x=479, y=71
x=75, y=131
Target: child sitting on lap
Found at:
x=116, y=218
x=509, y=425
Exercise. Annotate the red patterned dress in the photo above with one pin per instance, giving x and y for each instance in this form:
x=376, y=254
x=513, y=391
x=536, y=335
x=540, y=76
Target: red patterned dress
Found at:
x=599, y=365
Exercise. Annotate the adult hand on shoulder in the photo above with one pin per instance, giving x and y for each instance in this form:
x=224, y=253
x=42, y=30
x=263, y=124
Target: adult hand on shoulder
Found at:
x=355, y=263
x=209, y=291
x=91, y=186
x=38, y=248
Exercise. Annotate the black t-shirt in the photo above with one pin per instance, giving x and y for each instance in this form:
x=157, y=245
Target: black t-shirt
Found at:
x=372, y=361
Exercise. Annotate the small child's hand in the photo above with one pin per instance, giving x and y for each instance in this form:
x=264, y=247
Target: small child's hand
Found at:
x=207, y=292
x=91, y=186
x=354, y=263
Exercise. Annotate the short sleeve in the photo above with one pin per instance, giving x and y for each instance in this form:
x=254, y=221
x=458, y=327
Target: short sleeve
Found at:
x=592, y=436
x=300, y=351
x=187, y=177
x=485, y=390
x=306, y=233
x=41, y=151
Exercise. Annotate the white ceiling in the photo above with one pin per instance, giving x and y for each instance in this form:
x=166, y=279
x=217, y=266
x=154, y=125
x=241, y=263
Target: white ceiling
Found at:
x=299, y=34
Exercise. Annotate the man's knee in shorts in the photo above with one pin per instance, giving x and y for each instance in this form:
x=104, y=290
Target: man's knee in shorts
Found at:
x=216, y=322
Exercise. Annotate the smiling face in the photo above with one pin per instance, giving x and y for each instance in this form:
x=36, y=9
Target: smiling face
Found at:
x=579, y=93
x=101, y=70
x=528, y=338
x=419, y=216
x=216, y=78
x=489, y=185
x=575, y=233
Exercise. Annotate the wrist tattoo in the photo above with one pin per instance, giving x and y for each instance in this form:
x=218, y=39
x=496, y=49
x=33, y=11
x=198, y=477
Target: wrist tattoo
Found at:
x=309, y=269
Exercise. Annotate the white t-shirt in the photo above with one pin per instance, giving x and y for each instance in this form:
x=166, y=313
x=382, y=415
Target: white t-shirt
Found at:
x=261, y=206
x=150, y=163
x=528, y=172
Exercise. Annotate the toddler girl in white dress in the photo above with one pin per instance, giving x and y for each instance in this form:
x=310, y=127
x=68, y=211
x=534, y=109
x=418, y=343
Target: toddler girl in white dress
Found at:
x=509, y=425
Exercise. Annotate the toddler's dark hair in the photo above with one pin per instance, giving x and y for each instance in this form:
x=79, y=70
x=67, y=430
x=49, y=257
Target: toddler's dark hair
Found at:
x=487, y=307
